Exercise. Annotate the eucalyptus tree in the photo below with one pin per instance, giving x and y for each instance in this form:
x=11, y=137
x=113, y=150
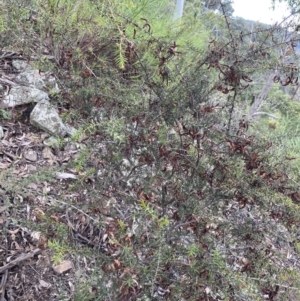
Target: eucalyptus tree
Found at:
x=178, y=9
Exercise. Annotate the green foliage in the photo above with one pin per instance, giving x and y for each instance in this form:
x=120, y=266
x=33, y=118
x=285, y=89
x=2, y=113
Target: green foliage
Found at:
x=284, y=130
x=81, y=160
x=4, y=114
x=59, y=251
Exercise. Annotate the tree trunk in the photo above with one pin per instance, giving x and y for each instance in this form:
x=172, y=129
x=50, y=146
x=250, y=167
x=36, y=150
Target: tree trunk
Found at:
x=178, y=10
x=258, y=100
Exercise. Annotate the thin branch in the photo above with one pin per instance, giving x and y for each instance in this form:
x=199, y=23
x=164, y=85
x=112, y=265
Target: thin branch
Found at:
x=264, y=113
x=280, y=285
x=19, y=259
x=7, y=81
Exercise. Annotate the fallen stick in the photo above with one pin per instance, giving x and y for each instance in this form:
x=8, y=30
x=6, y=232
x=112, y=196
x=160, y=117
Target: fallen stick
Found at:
x=7, y=81
x=19, y=259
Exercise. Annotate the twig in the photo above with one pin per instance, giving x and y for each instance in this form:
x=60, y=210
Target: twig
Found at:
x=156, y=271
x=9, y=154
x=263, y=113
x=7, y=81
x=12, y=55
x=22, y=257
x=280, y=285
x=2, y=285
x=79, y=210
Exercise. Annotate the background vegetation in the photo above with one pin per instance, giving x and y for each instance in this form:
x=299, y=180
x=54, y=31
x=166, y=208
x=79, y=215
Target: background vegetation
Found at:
x=192, y=138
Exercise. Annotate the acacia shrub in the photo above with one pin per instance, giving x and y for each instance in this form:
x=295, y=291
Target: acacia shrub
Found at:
x=212, y=211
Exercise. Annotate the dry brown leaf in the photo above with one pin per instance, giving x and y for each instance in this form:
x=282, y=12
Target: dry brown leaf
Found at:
x=7, y=143
x=38, y=212
x=20, y=198
x=32, y=186
x=43, y=242
x=55, y=217
x=16, y=171
x=13, y=231
x=117, y=263
x=4, y=165
x=46, y=188
x=47, y=153
x=16, y=246
x=22, y=137
x=44, y=284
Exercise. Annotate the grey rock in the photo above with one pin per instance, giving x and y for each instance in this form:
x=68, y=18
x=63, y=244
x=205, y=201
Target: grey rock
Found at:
x=1, y=132
x=19, y=95
x=30, y=155
x=44, y=116
x=20, y=65
x=70, y=130
x=64, y=266
x=28, y=87
x=2, y=88
x=34, y=77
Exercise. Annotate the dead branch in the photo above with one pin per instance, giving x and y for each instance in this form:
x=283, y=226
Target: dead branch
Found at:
x=19, y=259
